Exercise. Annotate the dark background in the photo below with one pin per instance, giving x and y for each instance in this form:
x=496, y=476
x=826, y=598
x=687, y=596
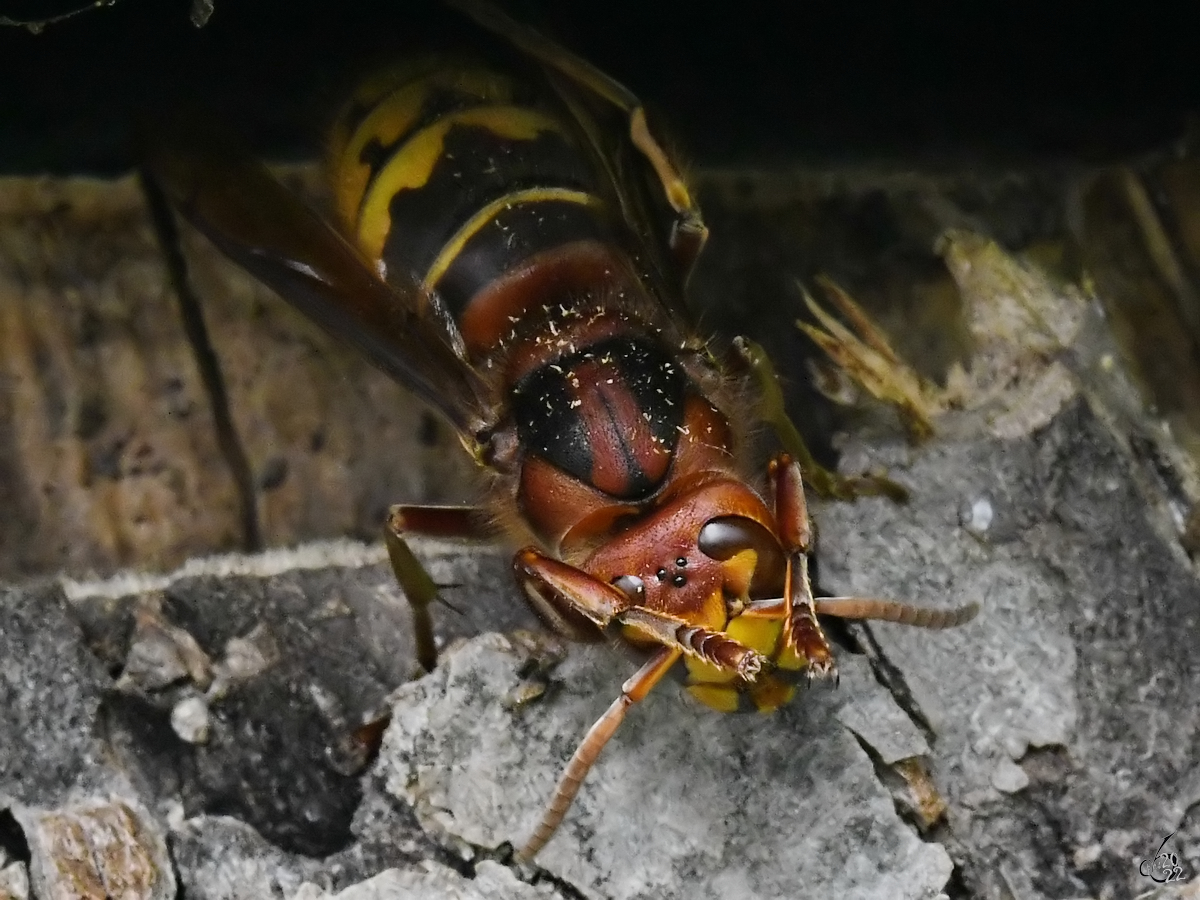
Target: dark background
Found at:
x=753, y=82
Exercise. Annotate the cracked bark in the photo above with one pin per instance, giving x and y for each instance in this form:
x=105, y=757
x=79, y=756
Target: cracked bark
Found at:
x=191, y=315
x=1058, y=729
x=685, y=801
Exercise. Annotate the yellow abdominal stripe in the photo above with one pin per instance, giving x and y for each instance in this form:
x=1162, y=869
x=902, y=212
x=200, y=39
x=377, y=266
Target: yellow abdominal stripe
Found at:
x=471, y=227
x=411, y=166
x=369, y=93
x=395, y=112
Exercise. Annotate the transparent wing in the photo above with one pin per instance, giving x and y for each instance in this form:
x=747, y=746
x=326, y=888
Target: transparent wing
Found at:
x=269, y=231
x=652, y=192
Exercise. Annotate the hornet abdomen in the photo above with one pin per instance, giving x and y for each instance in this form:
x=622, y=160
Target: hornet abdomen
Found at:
x=485, y=190
x=481, y=188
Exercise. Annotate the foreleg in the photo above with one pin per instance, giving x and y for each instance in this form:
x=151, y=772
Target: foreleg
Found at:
x=806, y=645
x=635, y=689
x=580, y=605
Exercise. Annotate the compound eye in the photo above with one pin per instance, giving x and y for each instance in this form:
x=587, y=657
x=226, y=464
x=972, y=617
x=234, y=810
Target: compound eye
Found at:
x=631, y=586
x=725, y=537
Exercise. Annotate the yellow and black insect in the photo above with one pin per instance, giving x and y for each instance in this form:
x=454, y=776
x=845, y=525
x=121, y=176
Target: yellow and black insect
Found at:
x=513, y=246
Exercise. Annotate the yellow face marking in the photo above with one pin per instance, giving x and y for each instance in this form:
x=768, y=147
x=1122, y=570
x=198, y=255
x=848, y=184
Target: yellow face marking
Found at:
x=737, y=572
x=722, y=699
x=636, y=637
x=789, y=659
x=395, y=114
x=710, y=615
x=414, y=162
x=702, y=673
x=769, y=693
x=454, y=246
x=760, y=635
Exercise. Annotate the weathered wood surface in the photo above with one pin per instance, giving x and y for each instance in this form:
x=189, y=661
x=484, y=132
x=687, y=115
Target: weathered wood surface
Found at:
x=1058, y=731
x=108, y=456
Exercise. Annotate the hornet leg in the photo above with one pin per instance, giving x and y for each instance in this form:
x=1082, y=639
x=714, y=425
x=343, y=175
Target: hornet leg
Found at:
x=806, y=640
x=419, y=589
x=825, y=482
x=579, y=605
x=635, y=689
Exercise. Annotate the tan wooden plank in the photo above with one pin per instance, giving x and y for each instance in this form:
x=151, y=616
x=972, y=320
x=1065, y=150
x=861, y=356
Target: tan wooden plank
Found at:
x=107, y=453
